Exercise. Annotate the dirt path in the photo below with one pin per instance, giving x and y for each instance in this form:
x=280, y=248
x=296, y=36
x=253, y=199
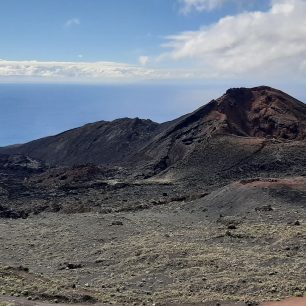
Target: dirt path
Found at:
x=19, y=301
x=288, y=302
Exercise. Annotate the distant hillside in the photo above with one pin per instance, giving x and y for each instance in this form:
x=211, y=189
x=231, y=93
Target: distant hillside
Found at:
x=98, y=143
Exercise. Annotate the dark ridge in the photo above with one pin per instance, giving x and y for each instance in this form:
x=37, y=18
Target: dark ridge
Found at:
x=260, y=112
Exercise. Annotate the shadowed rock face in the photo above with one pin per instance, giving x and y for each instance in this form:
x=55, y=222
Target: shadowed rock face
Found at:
x=260, y=112
x=98, y=143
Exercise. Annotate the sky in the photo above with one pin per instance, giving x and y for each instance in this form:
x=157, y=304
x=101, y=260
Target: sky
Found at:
x=180, y=53
x=107, y=41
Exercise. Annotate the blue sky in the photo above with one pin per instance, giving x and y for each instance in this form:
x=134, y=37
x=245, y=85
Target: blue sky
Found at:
x=115, y=41
x=100, y=30
x=103, y=59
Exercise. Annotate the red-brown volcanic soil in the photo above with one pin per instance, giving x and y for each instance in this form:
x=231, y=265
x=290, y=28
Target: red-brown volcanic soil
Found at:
x=296, y=301
x=298, y=183
x=289, y=302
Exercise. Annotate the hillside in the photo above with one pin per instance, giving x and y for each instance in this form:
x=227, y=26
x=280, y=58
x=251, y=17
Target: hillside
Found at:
x=260, y=113
x=208, y=207
x=128, y=163
x=98, y=143
x=258, y=131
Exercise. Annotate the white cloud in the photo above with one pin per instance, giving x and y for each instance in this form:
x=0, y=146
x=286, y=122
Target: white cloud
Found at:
x=201, y=5
x=143, y=60
x=272, y=42
x=86, y=71
x=72, y=22
x=71, y=70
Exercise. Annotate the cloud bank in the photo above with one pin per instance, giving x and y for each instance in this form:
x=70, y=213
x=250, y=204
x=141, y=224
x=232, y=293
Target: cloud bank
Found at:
x=72, y=70
x=87, y=71
x=272, y=42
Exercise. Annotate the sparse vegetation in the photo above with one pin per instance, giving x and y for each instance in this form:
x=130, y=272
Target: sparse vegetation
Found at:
x=210, y=209
x=154, y=256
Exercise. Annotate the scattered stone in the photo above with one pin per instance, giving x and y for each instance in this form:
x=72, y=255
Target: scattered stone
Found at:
x=273, y=289
x=117, y=223
x=264, y=208
x=251, y=303
x=88, y=299
x=71, y=266
x=228, y=233
x=19, y=268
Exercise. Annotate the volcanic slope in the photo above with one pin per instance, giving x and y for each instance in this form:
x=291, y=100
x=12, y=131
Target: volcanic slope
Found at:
x=101, y=142
x=209, y=207
x=247, y=132
x=258, y=131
